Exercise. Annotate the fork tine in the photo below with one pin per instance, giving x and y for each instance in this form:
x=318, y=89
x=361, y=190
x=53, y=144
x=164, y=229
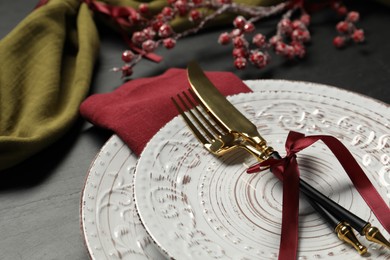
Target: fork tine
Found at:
x=216, y=121
x=195, y=118
x=193, y=128
x=214, y=140
x=203, y=117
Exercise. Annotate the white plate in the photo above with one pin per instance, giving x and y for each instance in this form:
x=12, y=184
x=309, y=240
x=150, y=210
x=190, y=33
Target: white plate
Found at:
x=111, y=226
x=197, y=206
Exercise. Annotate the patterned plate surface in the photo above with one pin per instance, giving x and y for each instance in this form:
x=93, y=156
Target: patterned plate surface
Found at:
x=111, y=226
x=197, y=206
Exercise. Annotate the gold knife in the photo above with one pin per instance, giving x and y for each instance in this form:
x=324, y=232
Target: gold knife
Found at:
x=225, y=112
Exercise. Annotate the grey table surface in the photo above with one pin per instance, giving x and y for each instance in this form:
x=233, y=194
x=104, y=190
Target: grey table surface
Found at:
x=40, y=198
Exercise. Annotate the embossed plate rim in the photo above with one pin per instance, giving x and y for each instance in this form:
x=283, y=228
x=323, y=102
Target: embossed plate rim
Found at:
x=98, y=243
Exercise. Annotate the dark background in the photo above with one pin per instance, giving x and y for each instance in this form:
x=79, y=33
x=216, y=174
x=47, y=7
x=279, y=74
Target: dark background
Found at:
x=39, y=199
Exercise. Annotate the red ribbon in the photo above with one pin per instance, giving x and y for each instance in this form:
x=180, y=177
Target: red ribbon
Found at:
x=286, y=169
x=120, y=14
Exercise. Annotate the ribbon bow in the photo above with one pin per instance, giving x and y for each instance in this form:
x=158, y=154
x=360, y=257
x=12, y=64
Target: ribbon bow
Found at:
x=287, y=170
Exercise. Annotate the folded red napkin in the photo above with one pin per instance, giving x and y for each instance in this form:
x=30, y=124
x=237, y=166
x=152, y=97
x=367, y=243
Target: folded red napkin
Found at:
x=139, y=108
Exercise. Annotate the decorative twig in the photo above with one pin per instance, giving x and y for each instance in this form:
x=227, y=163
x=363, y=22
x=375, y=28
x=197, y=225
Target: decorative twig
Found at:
x=291, y=33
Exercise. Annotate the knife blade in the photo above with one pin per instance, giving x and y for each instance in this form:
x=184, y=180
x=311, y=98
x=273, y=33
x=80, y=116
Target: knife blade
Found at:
x=227, y=115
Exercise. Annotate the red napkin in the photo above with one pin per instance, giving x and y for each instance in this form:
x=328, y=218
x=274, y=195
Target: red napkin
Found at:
x=139, y=108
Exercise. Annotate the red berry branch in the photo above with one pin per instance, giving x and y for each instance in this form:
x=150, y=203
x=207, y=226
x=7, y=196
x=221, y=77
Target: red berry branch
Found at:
x=347, y=28
x=249, y=47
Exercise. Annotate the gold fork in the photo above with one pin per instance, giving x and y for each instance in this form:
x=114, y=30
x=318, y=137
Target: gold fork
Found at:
x=215, y=138
x=218, y=140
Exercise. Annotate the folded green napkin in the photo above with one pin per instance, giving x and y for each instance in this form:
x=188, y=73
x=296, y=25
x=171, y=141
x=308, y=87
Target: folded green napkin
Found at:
x=46, y=66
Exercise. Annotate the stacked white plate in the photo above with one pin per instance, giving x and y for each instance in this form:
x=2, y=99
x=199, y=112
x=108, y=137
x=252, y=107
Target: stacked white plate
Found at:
x=179, y=201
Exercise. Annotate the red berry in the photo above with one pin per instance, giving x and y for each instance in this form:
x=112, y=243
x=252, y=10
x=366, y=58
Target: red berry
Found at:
x=165, y=30
x=239, y=42
x=298, y=24
x=299, y=49
x=289, y=52
x=300, y=35
x=259, y=40
x=249, y=27
x=305, y=36
x=284, y=49
x=195, y=15
x=285, y=25
x=339, y=41
x=296, y=35
x=149, y=45
x=274, y=40
x=169, y=43
x=156, y=24
x=224, y=38
x=342, y=10
x=127, y=70
x=197, y=2
x=181, y=6
x=305, y=19
x=239, y=22
x=127, y=56
x=138, y=37
x=149, y=32
x=353, y=16
x=259, y=59
x=135, y=17
x=236, y=32
x=240, y=63
x=167, y=12
x=143, y=8
x=239, y=52
x=280, y=47
x=342, y=27
x=358, y=36
x=160, y=17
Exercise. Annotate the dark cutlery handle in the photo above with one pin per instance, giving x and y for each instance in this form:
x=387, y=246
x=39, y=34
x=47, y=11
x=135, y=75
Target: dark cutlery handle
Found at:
x=332, y=220
x=338, y=211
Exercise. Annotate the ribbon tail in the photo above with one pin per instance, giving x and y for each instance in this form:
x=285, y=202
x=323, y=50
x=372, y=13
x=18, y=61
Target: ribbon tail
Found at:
x=359, y=179
x=289, y=234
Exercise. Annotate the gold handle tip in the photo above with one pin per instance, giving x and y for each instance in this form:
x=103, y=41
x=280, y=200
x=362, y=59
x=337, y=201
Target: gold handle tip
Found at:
x=345, y=233
x=374, y=235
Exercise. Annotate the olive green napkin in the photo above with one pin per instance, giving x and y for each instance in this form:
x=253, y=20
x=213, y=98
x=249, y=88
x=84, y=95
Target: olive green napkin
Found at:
x=46, y=66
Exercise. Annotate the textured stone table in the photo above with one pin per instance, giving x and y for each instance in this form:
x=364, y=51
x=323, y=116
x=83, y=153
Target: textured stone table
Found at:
x=40, y=198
